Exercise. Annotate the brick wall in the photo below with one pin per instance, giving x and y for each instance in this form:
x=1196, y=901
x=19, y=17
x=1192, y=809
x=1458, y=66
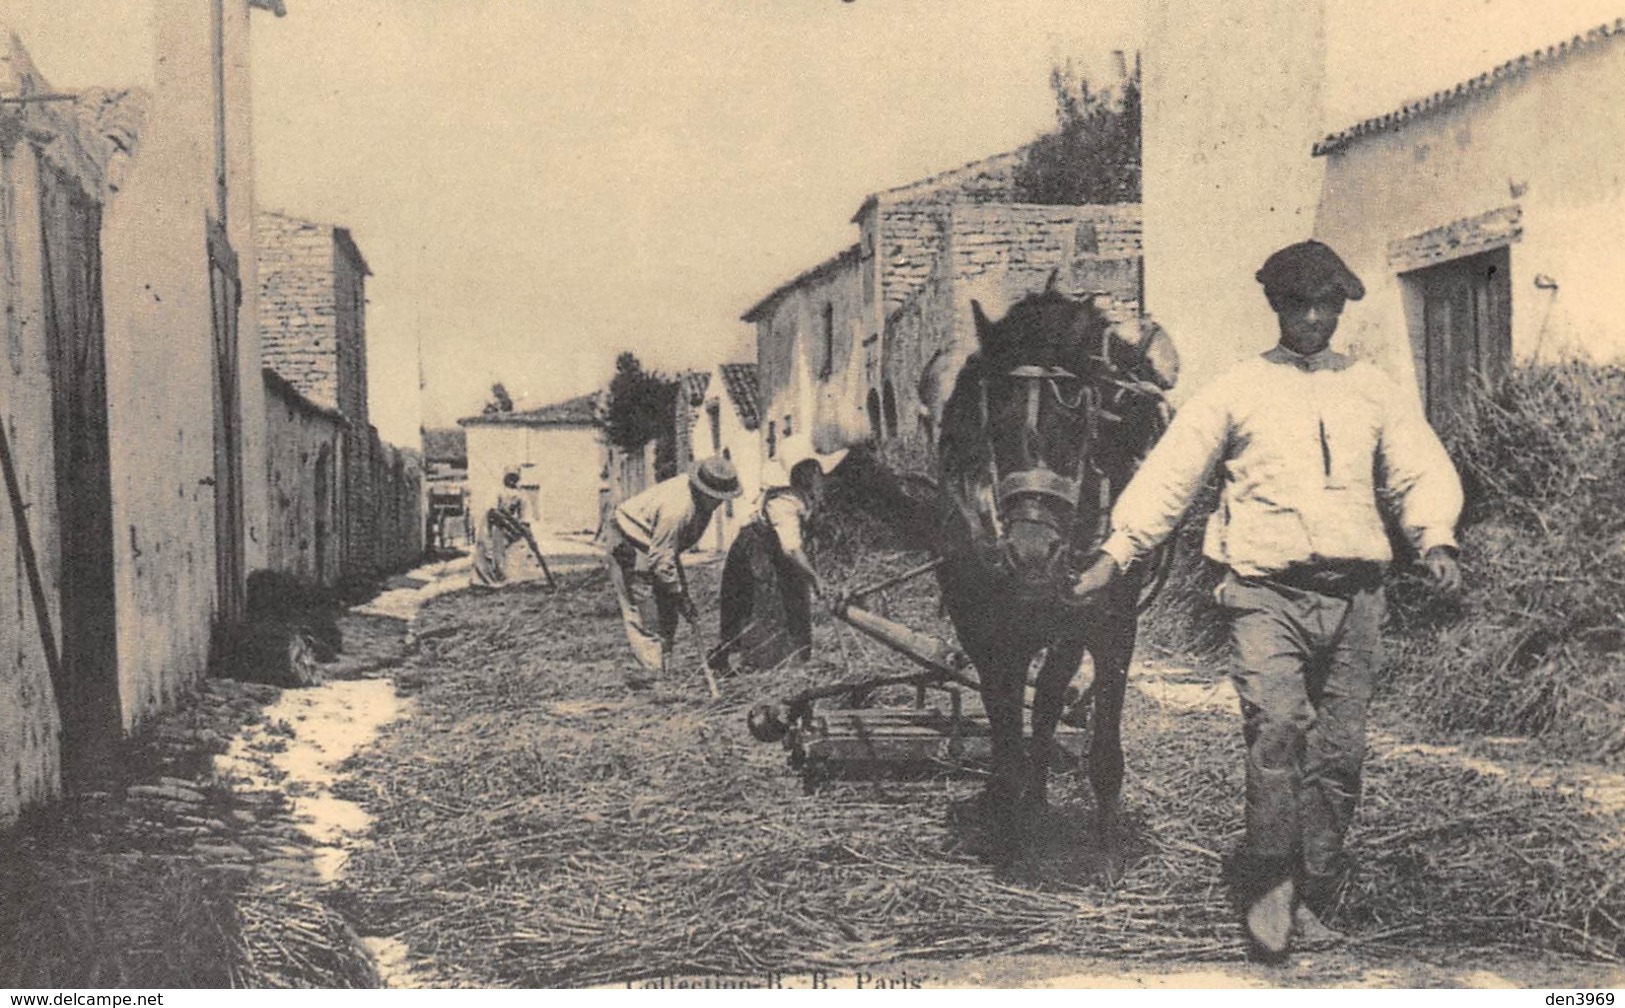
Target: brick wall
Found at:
x=912, y=220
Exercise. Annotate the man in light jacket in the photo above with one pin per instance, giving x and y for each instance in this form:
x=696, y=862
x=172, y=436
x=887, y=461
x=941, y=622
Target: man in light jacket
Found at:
x=1307, y=440
x=645, y=542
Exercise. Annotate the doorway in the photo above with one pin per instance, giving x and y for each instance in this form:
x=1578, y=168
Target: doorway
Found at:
x=226, y=295
x=70, y=223
x=1464, y=327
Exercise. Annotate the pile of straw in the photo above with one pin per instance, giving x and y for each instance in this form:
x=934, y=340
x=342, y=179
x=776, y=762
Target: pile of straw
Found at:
x=538, y=824
x=1534, y=646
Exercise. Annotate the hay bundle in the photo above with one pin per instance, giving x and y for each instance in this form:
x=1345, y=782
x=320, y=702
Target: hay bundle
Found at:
x=1534, y=646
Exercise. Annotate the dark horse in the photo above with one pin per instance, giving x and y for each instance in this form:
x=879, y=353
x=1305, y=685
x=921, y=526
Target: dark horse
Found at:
x=1046, y=423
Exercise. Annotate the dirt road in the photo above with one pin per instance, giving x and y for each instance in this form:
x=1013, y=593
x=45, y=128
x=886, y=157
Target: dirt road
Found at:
x=533, y=822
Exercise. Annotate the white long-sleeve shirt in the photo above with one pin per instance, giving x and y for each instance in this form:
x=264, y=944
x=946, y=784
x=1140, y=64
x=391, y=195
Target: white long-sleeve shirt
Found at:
x=1305, y=444
x=786, y=515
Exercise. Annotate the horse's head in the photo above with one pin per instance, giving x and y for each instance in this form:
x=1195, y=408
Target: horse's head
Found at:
x=1045, y=396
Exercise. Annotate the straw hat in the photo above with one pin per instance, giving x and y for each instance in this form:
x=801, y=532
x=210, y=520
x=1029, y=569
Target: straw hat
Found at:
x=715, y=477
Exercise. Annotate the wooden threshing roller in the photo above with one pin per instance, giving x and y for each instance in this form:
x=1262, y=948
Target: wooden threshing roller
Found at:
x=870, y=742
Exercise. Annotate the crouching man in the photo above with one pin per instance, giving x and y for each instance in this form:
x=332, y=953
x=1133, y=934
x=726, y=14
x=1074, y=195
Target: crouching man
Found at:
x=645, y=541
x=1306, y=440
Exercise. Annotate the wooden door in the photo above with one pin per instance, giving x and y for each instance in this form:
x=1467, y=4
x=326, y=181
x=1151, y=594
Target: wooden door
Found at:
x=226, y=295
x=1466, y=327
x=71, y=242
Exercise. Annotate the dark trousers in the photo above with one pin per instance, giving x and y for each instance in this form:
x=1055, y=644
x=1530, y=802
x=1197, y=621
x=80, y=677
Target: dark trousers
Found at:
x=766, y=603
x=1305, y=667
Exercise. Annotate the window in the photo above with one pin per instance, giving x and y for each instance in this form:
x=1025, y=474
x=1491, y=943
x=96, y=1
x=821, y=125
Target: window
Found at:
x=874, y=417
x=829, y=343
x=787, y=426
x=772, y=438
x=890, y=406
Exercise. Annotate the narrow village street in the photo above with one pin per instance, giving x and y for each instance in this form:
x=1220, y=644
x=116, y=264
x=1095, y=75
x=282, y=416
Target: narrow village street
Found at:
x=346, y=342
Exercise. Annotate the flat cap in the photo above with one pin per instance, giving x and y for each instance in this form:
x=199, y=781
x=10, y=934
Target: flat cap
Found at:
x=1308, y=267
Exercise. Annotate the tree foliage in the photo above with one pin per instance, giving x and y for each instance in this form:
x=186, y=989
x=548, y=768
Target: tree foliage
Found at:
x=1094, y=154
x=500, y=402
x=641, y=405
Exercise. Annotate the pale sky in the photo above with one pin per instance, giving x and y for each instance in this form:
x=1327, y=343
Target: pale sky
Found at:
x=539, y=184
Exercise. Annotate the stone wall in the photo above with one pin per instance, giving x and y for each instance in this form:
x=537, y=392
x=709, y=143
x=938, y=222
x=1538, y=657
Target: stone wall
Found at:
x=395, y=508
x=303, y=464
x=912, y=220
x=995, y=255
x=298, y=305
x=314, y=334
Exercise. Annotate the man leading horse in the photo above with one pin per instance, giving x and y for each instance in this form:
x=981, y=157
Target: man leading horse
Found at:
x=1307, y=441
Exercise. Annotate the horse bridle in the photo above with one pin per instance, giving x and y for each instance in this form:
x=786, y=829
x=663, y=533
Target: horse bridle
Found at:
x=1042, y=480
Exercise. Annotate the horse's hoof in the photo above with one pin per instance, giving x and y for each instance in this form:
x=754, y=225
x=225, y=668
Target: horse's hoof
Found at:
x=1077, y=714
x=1111, y=868
x=1018, y=871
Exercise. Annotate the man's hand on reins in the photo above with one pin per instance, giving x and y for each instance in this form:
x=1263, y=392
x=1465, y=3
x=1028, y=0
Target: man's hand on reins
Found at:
x=1097, y=578
x=1444, y=569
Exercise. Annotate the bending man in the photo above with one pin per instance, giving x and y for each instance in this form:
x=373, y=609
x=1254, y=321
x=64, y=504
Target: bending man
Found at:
x=768, y=580
x=645, y=542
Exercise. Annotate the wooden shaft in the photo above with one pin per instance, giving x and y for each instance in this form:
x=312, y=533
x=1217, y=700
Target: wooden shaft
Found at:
x=917, y=647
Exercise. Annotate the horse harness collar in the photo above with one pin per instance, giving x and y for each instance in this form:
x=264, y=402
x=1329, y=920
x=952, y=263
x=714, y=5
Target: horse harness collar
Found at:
x=1042, y=480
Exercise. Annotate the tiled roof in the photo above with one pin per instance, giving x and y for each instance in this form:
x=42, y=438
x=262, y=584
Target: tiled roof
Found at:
x=693, y=385
x=582, y=410
x=1004, y=161
x=743, y=391
x=813, y=275
x=1467, y=89
x=446, y=444
x=285, y=388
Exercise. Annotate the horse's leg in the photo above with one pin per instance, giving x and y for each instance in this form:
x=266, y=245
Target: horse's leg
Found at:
x=1049, y=698
x=1002, y=684
x=1113, y=649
